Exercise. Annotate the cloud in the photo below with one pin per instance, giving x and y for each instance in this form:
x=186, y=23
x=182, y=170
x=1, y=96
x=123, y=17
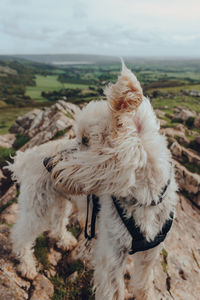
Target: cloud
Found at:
x=120, y=27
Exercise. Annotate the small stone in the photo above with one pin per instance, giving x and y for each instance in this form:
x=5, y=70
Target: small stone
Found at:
x=7, y=140
x=54, y=257
x=8, y=196
x=72, y=277
x=43, y=288
x=9, y=215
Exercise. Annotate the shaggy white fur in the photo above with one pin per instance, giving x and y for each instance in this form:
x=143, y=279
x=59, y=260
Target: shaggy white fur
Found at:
x=118, y=151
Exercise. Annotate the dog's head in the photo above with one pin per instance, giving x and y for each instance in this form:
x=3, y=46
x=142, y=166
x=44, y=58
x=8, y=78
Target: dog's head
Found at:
x=107, y=150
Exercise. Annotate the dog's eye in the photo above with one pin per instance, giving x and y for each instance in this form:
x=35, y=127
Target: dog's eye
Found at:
x=85, y=140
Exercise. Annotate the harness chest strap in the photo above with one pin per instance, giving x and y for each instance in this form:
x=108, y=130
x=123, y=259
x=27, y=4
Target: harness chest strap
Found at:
x=139, y=242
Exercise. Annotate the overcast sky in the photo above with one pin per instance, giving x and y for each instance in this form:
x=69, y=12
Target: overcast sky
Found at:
x=110, y=27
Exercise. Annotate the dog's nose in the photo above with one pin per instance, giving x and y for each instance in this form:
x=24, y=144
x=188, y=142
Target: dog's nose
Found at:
x=46, y=164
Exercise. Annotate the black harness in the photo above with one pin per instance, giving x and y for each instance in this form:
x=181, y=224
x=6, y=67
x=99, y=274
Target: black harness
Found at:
x=139, y=242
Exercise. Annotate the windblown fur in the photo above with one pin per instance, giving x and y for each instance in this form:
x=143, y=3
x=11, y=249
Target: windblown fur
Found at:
x=118, y=151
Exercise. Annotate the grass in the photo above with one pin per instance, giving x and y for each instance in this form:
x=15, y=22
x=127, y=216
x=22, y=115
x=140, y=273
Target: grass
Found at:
x=168, y=104
x=48, y=84
x=192, y=167
x=176, y=89
x=77, y=289
x=20, y=141
x=164, y=261
x=41, y=251
x=5, y=155
x=59, y=134
x=195, y=259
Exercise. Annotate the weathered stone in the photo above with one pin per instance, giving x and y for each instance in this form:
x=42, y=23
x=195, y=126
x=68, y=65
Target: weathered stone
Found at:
x=73, y=276
x=197, y=122
x=162, y=122
x=180, y=127
x=184, y=114
x=43, y=288
x=9, y=288
x=24, y=122
x=188, y=182
x=7, y=140
x=183, y=154
x=9, y=195
x=54, y=257
x=42, y=125
x=9, y=215
x=49, y=129
x=182, y=248
x=171, y=132
x=159, y=113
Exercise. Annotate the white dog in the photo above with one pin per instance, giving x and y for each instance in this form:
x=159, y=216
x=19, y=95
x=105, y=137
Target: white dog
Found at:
x=118, y=155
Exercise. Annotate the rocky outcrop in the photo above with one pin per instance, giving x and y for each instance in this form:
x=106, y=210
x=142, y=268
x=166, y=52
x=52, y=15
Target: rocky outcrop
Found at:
x=197, y=122
x=7, y=140
x=183, y=154
x=177, y=132
x=177, y=272
x=42, y=126
x=183, y=113
x=189, y=183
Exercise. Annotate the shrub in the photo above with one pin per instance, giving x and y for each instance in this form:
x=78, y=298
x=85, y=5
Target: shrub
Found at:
x=20, y=141
x=5, y=155
x=190, y=122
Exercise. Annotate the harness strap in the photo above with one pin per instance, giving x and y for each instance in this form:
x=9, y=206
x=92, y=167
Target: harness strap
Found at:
x=139, y=242
x=95, y=210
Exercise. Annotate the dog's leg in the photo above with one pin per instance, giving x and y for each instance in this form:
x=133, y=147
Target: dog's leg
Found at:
x=58, y=222
x=142, y=276
x=109, y=264
x=110, y=255
x=23, y=236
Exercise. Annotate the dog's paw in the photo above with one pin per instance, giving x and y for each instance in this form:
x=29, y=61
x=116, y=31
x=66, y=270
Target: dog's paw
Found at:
x=68, y=242
x=27, y=271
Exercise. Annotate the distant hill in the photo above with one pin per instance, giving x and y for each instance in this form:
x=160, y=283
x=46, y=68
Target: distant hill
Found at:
x=64, y=59
x=77, y=59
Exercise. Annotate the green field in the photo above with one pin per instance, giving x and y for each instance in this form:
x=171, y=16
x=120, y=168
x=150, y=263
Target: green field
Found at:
x=49, y=83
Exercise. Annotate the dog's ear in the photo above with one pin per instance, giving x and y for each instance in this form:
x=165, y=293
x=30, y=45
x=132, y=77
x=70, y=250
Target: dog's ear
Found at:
x=126, y=94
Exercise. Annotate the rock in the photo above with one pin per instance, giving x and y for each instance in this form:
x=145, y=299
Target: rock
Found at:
x=182, y=249
x=54, y=257
x=12, y=286
x=9, y=215
x=162, y=122
x=184, y=114
x=159, y=113
x=180, y=127
x=7, y=140
x=43, y=288
x=8, y=196
x=197, y=122
x=197, y=139
x=172, y=132
x=195, y=144
x=24, y=122
x=72, y=277
x=188, y=182
x=42, y=126
x=184, y=155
